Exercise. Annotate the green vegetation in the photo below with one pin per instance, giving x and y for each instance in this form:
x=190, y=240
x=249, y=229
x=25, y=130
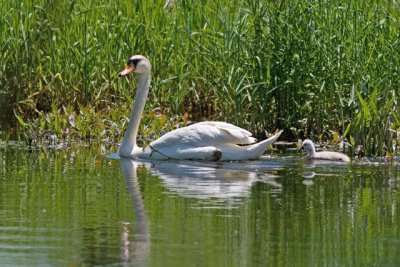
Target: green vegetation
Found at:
x=313, y=68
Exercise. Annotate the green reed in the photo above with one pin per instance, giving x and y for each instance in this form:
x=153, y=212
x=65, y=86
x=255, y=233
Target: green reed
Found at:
x=308, y=67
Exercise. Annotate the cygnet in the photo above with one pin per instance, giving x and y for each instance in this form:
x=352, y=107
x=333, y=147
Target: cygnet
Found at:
x=308, y=146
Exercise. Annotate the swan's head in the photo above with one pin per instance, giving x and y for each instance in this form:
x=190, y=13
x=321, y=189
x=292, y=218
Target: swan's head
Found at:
x=137, y=64
x=308, y=146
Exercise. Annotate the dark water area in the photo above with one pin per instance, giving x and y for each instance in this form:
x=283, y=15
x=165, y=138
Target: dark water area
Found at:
x=79, y=207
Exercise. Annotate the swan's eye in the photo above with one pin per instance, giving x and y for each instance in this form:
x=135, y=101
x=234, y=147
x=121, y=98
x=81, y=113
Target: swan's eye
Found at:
x=133, y=61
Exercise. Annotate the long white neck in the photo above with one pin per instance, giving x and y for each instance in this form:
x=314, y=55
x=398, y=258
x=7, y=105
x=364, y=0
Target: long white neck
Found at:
x=128, y=146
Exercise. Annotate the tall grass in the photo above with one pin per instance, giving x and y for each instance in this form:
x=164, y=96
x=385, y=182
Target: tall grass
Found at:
x=308, y=67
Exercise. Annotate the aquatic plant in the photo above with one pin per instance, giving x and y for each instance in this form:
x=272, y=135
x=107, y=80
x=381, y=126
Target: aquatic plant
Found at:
x=307, y=67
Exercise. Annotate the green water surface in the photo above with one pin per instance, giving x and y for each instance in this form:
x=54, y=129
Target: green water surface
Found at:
x=77, y=207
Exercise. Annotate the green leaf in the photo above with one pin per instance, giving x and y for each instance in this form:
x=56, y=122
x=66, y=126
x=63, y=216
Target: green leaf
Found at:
x=21, y=121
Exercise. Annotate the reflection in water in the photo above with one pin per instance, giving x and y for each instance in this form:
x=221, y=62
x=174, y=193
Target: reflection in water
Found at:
x=72, y=208
x=138, y=251
x=205, y=181
x=223, y=182
x=319, y=207
x=62, y=208
x=217, y=185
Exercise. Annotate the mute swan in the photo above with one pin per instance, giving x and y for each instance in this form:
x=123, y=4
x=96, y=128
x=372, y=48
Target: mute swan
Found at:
x=209, y=140
x=308, y=146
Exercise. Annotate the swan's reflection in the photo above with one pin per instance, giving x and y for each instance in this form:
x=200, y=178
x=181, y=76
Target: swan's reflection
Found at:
x=218, y=183
x=208, y=180
x=225, y=182
x=136, y=252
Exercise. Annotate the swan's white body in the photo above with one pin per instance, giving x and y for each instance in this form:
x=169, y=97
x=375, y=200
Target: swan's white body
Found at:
x=308, y=146
x=210, y=140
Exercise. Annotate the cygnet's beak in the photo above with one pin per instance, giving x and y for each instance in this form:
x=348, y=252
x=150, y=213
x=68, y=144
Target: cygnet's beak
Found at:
x=129, y=68
x=299, y=148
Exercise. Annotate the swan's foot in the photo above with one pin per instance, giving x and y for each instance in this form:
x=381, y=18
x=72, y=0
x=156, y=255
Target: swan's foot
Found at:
x=216, y=155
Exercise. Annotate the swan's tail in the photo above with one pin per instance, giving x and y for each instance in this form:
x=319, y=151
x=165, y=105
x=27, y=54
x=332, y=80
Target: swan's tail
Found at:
x=256, y=150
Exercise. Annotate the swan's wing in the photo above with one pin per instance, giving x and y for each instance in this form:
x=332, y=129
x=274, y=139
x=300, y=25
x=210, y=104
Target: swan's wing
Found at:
x=229, y=132
x=204, y=134
x=179, y=137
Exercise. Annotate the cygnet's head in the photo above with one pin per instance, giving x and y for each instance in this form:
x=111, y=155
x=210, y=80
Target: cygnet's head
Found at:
x=137, y=64
x=308, y=146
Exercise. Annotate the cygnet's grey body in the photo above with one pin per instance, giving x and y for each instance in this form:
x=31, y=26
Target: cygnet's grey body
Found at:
x=308, y=146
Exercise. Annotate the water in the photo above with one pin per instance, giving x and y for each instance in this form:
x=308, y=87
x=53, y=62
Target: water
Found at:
x=76, y=207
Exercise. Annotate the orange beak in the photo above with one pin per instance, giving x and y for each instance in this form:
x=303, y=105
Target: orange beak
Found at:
x=126, y=71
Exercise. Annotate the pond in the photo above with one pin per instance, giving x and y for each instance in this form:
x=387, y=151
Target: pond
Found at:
x=79, y=207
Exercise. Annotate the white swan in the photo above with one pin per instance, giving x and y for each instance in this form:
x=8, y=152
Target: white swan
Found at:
x=308, y=146
x=209, y=140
